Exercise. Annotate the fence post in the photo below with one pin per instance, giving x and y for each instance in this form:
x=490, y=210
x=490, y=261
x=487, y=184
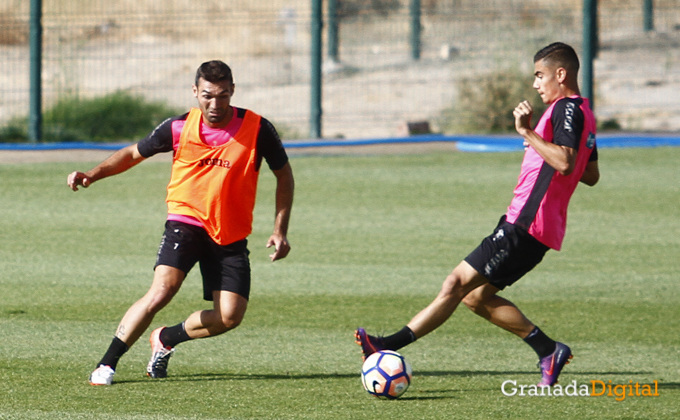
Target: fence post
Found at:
x=415, y=29
x=35, y=73
x=333, y=33
x=590, y=40
x=648, y=15
x=315, y=108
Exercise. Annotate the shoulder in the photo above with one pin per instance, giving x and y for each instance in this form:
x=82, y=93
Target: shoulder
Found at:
x=270, y=146
x=241, y=112
x=567, y=112
x=161, y=138
x=171, y=122
x=268, y=128
x=268, y=137
x=265, y=124
x=567, y=105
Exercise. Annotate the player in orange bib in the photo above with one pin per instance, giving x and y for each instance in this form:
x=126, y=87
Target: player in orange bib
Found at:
x=218, y=150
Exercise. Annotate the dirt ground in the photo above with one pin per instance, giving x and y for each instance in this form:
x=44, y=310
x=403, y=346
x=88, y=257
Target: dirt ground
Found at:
x=375, y=88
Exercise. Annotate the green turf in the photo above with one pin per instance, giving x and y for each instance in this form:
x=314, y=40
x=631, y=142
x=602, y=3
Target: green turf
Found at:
x=372, y=237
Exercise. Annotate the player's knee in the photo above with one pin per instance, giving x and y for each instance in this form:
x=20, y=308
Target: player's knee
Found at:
x=158, y=298
x=452, y=289
x=473, y=301
x=230, y=321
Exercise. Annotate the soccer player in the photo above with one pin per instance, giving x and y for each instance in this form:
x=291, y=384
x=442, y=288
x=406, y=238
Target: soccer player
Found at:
x=559, y=153
x=218, y=150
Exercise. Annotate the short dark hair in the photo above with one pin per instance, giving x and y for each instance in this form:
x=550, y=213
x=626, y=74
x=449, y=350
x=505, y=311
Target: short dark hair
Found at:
x=560, y=54
x=214, y=71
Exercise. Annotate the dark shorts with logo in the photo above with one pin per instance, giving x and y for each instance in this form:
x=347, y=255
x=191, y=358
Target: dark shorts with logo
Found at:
x=507, y=254
x=223, y=267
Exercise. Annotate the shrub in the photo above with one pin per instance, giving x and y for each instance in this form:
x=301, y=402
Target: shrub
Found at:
x=115, y=117
x=611, y=124
x=16, y=131
x=485, y=103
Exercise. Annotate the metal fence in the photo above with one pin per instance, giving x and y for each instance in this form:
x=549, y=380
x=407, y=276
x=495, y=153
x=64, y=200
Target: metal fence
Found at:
x=152, y=48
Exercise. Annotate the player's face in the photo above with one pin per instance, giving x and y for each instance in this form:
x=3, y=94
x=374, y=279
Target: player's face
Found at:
x=214, y=101
x=547, y=81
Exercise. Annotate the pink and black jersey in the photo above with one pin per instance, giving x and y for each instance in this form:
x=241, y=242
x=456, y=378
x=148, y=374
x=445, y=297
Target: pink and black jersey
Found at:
x=542, y=194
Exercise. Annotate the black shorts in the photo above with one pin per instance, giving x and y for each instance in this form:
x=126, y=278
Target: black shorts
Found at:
x=506, y=255
x=223, y=267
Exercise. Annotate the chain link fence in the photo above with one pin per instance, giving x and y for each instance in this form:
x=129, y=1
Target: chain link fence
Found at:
x=152, y=48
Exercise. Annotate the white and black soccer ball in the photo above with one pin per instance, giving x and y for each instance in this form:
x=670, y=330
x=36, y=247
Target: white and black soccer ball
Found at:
x=386, y=374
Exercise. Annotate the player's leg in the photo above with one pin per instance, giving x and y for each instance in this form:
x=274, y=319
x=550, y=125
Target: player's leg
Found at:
x=484, y=302
x=506, y=257
x=226, y=282
x=462, y=280
x=467, y=276
x=457, y=285
x=167, y=281
x=227, y=314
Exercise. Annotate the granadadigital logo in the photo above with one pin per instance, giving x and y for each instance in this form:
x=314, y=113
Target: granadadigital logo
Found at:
x=594, y=388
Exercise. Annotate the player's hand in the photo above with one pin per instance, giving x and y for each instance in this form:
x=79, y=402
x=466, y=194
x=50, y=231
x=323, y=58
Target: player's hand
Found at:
x=281, y=246
x=523, y=113
x=76, y=179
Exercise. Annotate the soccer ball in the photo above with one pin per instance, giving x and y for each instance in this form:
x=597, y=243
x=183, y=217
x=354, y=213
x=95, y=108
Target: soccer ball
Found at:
x=386, y=374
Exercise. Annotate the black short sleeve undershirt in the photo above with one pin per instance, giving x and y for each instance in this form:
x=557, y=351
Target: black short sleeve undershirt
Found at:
x=269, y=145
x=593, y=154
x=160, y=139
x=567, y=121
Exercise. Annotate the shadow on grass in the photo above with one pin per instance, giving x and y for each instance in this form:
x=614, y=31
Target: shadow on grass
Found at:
x=420, y=395
x=293, y=376
x=517, y=372
x=198, y=377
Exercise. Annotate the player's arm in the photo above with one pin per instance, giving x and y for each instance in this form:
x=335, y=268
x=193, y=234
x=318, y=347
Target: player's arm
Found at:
x=120, y=161
x=591, y=174
x=270, y=147
x=285, y=188
x=560, y=157
x=158, y=141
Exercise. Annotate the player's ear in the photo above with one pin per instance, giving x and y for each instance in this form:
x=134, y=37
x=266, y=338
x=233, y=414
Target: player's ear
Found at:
x=194, y=89
x=561, y=74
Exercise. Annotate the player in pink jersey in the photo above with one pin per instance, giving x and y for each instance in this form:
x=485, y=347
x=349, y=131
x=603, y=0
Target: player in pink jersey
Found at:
x=560, y=152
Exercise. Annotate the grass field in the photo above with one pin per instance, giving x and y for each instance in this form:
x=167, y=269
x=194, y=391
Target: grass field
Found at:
x=373, y=237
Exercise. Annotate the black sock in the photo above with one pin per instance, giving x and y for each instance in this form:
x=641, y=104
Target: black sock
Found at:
x=541, y=343
x=172, y=336
x=115, y=351
x=400, y=339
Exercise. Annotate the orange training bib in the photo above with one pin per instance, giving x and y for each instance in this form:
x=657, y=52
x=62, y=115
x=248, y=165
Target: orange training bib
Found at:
x=216, y=185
